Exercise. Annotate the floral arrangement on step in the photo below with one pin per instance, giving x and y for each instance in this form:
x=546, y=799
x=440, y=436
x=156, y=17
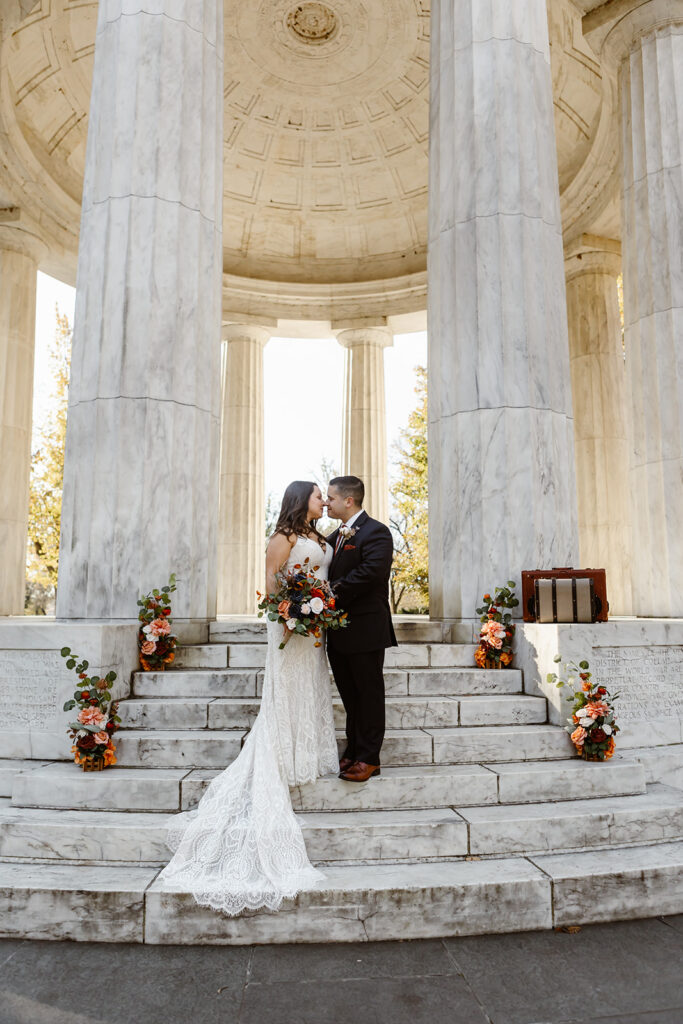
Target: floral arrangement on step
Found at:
x=97, y=719
x=303, y=604
x=593, y=723
x=498, y=630
x=156, y=642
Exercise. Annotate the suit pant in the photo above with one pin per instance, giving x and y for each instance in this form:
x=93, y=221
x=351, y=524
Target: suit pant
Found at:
x=360, y=683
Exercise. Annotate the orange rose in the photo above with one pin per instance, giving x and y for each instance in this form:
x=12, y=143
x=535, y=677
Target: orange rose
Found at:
x=283, y=608
x=578, y=736
x=148, y=647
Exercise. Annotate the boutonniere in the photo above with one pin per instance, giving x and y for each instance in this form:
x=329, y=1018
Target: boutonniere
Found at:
x=348, y=531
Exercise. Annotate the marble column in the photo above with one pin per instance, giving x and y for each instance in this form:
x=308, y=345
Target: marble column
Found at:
x=142, y=446
x=501, y=449
x=19, y=255
x=600, y=415
x=645, y=44
x=241, y=524
x=364, y=425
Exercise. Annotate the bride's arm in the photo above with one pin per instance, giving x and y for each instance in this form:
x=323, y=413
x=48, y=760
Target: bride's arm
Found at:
x=277, y=554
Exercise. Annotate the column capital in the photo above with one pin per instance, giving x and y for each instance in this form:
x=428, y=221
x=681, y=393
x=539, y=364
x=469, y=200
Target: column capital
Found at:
x=614, y=28
x=381, y=337
x=592, y=254
x=247, y=332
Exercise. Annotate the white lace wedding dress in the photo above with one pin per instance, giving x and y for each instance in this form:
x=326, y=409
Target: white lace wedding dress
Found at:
x=242, y=848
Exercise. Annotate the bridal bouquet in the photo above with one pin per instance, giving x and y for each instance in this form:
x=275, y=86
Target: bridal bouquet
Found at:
x=593, y=723
x=96, y=721
x=303, y=604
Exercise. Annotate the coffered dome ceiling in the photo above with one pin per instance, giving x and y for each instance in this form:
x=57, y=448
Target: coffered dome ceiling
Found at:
x=326, y=128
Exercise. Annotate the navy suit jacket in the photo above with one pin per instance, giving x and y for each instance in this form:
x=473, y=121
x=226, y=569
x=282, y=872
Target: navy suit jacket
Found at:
x=359, y=574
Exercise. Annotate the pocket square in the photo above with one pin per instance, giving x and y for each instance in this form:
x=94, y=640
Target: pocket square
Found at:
x=349, y=547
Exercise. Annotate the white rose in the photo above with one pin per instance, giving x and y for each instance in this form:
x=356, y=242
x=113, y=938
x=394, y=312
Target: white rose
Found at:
x=317, y=605
x=585, y=722
x=292, y=623
x=306, y=608
x=607, y=729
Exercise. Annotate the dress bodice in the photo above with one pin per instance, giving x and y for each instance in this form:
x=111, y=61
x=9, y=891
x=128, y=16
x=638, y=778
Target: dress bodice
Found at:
x=308, y=547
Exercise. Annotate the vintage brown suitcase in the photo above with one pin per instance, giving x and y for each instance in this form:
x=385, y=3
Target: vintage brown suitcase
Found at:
x=572, y=600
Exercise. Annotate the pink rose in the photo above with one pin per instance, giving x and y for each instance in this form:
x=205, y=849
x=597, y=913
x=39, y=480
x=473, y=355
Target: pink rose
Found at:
x=92, y=716
x=578, y=736
x=149, y=647
x=159, y=627
x=102, y=737
x=493, y=633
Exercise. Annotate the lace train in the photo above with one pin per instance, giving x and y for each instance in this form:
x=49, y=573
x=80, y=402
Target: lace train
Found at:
x=242, y=848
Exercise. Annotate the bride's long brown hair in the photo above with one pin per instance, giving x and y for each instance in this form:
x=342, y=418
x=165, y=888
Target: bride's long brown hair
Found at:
x=293, y=518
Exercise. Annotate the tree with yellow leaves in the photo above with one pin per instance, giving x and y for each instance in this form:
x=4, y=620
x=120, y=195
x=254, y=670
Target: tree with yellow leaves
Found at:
x=409, y=518
x=47, y=474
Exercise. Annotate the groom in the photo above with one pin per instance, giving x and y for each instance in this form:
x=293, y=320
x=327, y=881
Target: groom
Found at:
x=359, y=574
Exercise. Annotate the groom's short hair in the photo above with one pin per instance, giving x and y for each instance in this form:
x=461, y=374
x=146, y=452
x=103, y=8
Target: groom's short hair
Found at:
x=350, y=487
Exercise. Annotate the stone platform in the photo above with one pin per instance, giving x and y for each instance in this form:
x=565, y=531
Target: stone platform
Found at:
x=482, y=820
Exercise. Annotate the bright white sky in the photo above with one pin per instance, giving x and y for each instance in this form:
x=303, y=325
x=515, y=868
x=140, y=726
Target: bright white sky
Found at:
x=293, y=370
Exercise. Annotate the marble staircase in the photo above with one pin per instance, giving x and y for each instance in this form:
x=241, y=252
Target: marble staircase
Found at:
x=481, y=821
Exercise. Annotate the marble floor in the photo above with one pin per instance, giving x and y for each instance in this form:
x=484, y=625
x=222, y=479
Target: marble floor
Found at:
x=621, y=973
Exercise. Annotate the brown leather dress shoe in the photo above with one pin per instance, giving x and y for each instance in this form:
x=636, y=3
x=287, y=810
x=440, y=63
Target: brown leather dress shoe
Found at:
x=360, y=772
x=345, y=763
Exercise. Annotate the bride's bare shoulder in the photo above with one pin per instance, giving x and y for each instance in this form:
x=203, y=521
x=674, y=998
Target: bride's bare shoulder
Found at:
x=280, y=543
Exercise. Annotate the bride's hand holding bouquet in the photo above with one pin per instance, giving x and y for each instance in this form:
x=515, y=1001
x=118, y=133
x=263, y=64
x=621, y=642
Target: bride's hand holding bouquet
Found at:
x=303, y=603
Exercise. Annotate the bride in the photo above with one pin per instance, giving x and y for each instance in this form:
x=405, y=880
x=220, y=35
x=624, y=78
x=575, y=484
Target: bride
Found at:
x=242, y=848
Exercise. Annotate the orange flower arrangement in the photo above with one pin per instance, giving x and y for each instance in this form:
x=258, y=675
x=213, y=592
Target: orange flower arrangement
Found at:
x=156, y=642
x=593, y=722
x=96, y=721
x=497, y=630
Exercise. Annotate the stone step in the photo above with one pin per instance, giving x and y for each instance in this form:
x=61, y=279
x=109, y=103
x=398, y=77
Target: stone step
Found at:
x=178, y=749
x=649, y=817
x=65, y=785
x=201, y=656
x=408, y=629
x=401, y=712
x=140, y=838
x=391, y=835
x=461, y=745
x=247, y=682
x=411, y=655
x=11, y=767
x=353, y=903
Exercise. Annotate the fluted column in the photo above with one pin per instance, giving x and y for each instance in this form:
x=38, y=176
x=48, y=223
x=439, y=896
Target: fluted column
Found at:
x=364, y=425
x=501, y=453
x=141, y=465
x=645, y=45
x=241, y=525
x=19, y=254
x=600, y=415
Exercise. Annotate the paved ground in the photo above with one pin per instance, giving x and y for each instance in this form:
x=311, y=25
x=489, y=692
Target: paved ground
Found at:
x=626, y=973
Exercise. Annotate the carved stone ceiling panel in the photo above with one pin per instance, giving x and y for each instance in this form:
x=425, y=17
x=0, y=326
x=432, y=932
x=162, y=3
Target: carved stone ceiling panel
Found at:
x=326, y=126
